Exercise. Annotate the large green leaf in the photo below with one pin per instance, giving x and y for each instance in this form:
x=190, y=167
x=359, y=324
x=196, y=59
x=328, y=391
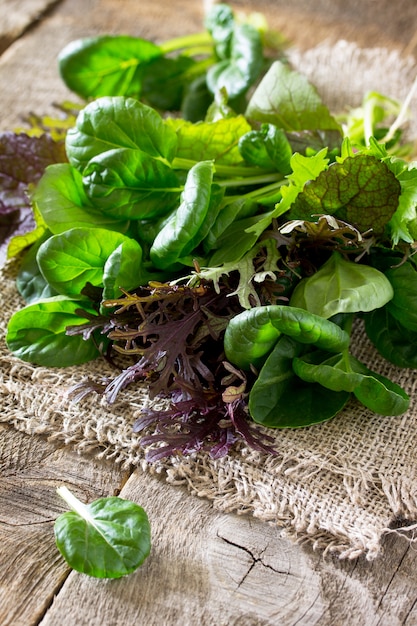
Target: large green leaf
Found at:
x=211, y=140
x=394, y=342
x=181, y=232
x=286, y=99
x=72, y=259
x=37, y=334
x=251, y=335
x=106, y=65
x=345, y=373
x=63, y=203
x=129, y=184
x=110, y=123
x=279, y=399
x=403, y=305
x=341, y=286
x=241, y=68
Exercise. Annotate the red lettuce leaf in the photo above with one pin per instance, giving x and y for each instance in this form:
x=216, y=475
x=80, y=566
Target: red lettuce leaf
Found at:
x=23, y=160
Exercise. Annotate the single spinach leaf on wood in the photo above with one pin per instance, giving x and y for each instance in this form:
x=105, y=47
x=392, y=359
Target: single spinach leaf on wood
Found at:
x=108, y=65
x=360, y=190
x=251, y=335
x=37, y=333
x=279, y=399
x=110, y=123
x=344, y=372
x=108, y=538
x=341, y=286
x=394, y=342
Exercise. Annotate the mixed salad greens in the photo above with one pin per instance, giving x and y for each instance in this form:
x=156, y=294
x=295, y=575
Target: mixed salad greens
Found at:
x=209, y=227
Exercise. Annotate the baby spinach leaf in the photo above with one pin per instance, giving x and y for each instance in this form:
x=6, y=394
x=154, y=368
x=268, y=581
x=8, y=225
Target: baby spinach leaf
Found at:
x=268, y=147
x=220, y=23
x=30, y=282
x=403, y=305
x=129, y=184
x=72, y=259
x=124, y=269
x=286, y=99
x=109, y=65
x=36, y=333
x=175, y=74
x=394, y=342
x=63, y=203
x=279, y=399
x=110, y=123
x=341, y=286
x=361, y=190
x=241, y=68
x=345, y=373
x=250, y=335
x=108, y=538
x=180, y=233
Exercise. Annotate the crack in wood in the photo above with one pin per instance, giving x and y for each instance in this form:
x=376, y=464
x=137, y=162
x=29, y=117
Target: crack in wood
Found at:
x=255, y=560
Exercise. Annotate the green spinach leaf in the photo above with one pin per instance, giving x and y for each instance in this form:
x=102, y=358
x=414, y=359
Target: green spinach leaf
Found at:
x=280, y=399
x=37, y=333
x=108, y=538
x=341, y=286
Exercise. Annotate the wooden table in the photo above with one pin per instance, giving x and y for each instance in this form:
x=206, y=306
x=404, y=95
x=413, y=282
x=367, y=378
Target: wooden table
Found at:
x=205, y=568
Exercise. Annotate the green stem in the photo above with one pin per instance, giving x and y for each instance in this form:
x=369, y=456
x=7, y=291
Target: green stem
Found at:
x=187, y=41
x=76, y=505
x=261, y=179
x=257, y=174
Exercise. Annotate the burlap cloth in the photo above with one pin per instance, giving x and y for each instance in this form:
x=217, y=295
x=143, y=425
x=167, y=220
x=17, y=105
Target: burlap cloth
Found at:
x=340, y=485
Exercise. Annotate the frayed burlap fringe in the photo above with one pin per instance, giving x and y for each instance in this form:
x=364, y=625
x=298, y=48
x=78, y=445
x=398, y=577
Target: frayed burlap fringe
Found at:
x=340, y=485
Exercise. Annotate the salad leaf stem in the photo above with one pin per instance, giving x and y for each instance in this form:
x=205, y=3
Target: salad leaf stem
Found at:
x=75, y=504
x=187, y=41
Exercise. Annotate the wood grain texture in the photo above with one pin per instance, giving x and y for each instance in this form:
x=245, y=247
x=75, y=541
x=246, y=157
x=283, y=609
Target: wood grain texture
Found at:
x=205, y=568
x=16, y=16
x=32, y=570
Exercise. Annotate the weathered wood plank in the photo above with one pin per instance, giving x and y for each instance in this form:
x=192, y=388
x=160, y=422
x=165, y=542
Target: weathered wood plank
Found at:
x=206, y=568
x=16, y=16
x=32, y=570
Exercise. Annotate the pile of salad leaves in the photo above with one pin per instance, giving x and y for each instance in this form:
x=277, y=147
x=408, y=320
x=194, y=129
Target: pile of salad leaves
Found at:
x=209, y=227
